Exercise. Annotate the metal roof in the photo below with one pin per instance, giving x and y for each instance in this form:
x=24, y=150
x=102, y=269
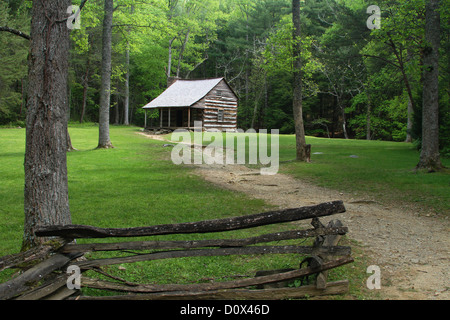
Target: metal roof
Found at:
x=183, y=93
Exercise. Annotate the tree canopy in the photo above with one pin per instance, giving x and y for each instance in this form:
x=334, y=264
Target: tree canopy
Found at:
x=357, y=82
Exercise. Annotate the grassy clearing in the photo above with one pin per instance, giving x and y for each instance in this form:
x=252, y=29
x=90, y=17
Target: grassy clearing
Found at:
x=136, y=184
x=382, y=171
x=379, y=170
x=12, y=150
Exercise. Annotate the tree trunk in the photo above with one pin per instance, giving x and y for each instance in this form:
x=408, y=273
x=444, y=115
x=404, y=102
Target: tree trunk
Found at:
x=183, y=47
x=247, y=68
x=126, y=103
x=105, y=88
x=85, y=90
x=411, y=106
x=46, y=190
x=409, y=124
x=116, y=108
x=69, y=146
x=86, y=83
x=302, y=149
x=169, y=63
x=429, y=156
x=255, y=113
x=344, y=123
x=369, y=114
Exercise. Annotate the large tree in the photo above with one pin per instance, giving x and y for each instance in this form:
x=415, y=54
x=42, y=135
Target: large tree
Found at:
x=46, y=187
x=303, y=151
x=104, y=140
x=429, y=155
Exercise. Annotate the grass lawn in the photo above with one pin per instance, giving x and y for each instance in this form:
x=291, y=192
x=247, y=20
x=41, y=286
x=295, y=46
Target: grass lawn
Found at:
x=136, y=184
x=378, y=170
x=383, y=171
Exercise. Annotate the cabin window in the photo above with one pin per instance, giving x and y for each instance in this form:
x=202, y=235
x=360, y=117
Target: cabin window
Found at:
x=220, y=115
x=219, y=93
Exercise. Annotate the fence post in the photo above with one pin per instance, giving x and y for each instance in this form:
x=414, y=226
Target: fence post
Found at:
x=327, y=241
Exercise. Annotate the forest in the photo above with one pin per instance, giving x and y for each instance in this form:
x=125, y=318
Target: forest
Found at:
x=362, y=79
x=365, y=84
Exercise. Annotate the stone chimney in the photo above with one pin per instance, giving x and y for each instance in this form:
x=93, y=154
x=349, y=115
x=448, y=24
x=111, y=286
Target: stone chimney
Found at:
x=171, y=81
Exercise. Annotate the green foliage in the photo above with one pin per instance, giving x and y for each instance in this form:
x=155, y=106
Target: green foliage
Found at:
x=136, y=184
x=351, y=75
x=13, y=62
x=382, y=171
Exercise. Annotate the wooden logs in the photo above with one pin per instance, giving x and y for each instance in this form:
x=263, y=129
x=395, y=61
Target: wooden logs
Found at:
x=193, y=244
x=48, y=279
x=333, y=288
x=272, y=278
x=21, y=283
x=243, y=222
x=212, y=252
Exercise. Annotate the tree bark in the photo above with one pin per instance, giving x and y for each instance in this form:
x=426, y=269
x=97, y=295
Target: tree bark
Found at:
x=46, y=190
x=344, y=123
x=411, y=106
x=85, y=89
x=116, y=108
x=104, y=140
x=86, y=81
x=126, y=103
x=169, y=63
x=302, y=149
x=429, y=156
x=409, y=124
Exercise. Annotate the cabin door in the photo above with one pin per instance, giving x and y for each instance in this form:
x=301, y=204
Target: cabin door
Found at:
x=180, y=118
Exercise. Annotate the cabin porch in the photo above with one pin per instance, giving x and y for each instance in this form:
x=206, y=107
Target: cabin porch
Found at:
x=174, y=118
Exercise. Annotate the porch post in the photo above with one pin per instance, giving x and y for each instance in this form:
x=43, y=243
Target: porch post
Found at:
x=160, y=117
x=189, y=117
x=169, y=119
x=145, y=121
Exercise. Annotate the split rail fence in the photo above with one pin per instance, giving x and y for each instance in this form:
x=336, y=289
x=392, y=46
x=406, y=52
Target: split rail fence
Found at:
x=43, y=270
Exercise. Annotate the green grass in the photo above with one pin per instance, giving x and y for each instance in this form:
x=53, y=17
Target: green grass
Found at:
x=136, y=184
x=383, y=172
x=12, y=149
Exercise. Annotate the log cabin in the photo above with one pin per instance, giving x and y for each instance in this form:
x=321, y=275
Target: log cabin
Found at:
x=185, y=102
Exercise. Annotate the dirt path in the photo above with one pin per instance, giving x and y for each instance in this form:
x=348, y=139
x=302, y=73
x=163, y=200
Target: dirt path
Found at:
x=412, y=251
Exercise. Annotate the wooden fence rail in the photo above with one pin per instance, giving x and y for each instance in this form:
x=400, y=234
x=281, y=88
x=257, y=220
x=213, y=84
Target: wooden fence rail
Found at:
x=47, y=279
x=244, y=222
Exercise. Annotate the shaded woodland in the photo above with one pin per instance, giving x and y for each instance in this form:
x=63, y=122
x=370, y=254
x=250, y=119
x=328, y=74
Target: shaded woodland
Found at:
x=357, y=83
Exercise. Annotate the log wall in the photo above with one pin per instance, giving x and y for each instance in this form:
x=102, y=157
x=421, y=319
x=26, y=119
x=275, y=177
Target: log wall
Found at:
x=219, y=100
